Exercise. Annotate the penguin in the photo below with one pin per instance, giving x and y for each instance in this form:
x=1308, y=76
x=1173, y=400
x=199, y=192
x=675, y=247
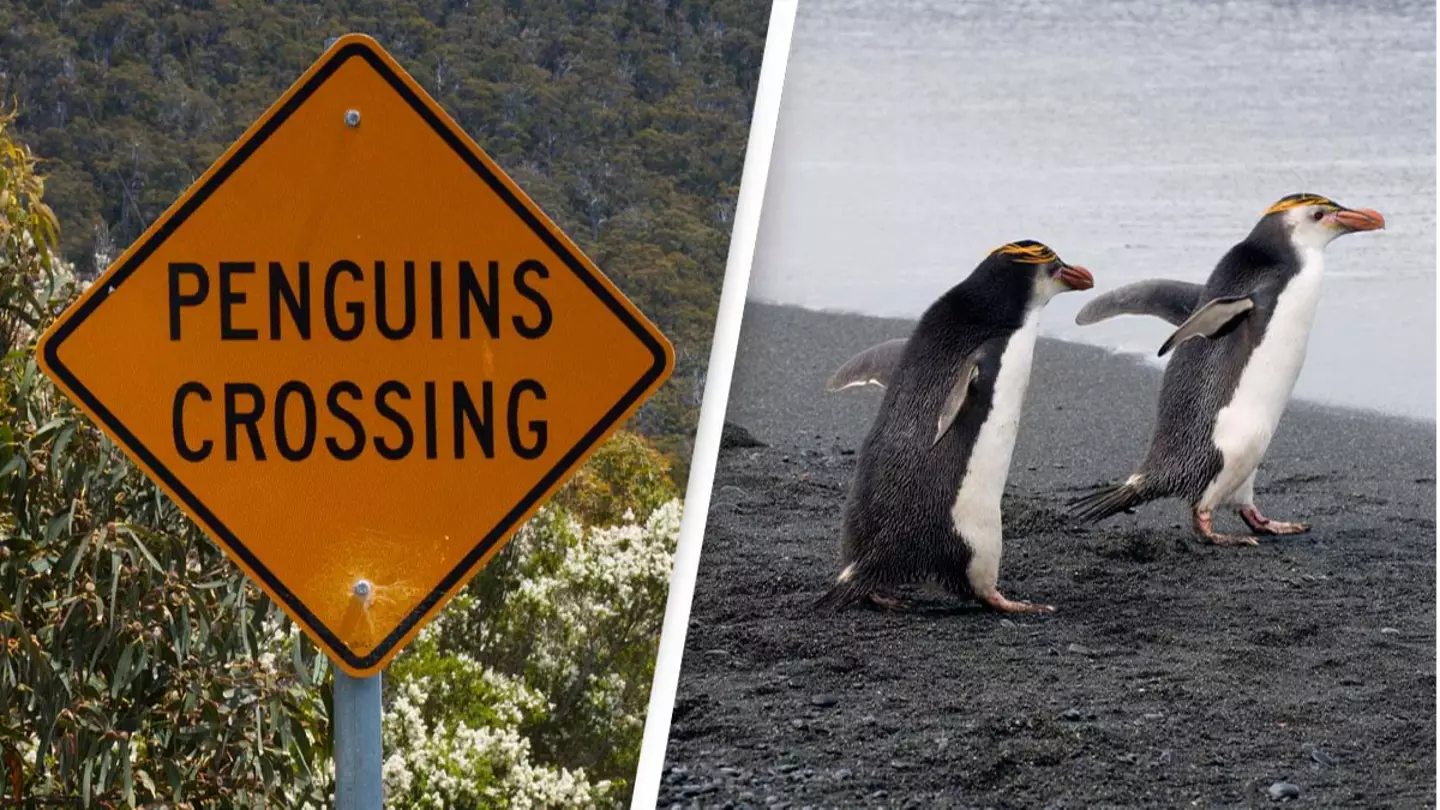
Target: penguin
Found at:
x=925, y=503
x=1238, y=346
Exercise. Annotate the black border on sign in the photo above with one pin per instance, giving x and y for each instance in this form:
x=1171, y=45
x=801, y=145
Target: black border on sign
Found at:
x=199, y=510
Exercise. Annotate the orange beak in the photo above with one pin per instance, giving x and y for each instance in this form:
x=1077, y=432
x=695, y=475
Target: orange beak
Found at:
x=1360, y=219
x=1078, y=277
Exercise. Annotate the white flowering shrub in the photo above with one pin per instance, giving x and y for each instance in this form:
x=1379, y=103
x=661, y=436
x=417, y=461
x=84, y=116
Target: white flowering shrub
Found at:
x=529, y=690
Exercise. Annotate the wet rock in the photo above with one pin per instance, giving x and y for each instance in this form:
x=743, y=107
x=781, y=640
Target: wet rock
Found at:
x=1282, y=791
x=1071, y=715
x=733, y=435
x=842, y=774
x=824, y=701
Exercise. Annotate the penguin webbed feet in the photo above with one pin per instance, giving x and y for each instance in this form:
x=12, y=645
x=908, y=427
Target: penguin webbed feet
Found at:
x=1260, y=524
x=997, y=602
x=1205, y=527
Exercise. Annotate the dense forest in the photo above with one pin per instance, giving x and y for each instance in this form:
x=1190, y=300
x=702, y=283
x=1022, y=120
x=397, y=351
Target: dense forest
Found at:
x=625, y=121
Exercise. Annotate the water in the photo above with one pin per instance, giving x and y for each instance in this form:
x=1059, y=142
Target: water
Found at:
x=1138, y=139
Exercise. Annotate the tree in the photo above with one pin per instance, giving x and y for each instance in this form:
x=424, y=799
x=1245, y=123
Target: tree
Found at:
x=136, y=665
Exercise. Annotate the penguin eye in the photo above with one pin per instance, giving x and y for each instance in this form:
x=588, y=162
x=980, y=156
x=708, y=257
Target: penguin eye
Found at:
x=1318, y=215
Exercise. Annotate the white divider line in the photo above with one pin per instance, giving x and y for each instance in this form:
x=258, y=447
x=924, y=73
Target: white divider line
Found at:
x=712, y=409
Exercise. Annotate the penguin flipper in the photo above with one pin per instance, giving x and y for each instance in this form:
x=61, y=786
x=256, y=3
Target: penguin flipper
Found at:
x=955, y=400
x=1171, y=301
x=1213, y=320
x=874, y=366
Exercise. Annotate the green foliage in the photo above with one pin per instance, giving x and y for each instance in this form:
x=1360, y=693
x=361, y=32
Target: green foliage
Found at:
x=627, y=476
x=29, y=235
x=626, y=121
x=550, y=650
x=137, y=665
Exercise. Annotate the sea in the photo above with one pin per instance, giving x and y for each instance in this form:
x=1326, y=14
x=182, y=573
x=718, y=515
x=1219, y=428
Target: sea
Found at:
x=1138, y=139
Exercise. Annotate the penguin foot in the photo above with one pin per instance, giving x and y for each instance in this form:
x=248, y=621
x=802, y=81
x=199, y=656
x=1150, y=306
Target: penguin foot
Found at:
x=1205, y=526
x=1260, y=524
x=998, y=602
x=893, y=604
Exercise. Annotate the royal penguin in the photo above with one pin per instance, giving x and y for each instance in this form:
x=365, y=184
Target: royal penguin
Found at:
x=1238, y=347
x=924, y=507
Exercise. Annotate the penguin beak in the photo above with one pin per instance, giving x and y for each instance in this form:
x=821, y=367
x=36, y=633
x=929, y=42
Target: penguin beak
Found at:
x=1360, y=219
x=1078, y=278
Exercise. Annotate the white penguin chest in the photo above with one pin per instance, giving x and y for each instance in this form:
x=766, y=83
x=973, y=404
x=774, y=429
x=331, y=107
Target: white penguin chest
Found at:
x=1244, y=427
x=976, y=512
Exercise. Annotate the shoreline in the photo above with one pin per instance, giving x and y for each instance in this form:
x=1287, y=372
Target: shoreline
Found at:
x=1173, y=672
x=1141, y=359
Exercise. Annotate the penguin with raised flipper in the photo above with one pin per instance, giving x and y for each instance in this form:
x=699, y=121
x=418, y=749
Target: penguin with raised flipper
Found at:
x=925, y=504
x=1223, y=393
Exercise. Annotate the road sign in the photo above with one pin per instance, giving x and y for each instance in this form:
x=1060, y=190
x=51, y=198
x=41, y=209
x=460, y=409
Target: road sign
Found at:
x=356, y=354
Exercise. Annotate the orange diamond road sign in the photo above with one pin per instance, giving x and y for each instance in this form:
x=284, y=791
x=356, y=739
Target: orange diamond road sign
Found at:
x=355, y=352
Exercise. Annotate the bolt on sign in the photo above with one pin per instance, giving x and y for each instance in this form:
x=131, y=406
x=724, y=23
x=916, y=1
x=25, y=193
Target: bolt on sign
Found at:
x=356, y=354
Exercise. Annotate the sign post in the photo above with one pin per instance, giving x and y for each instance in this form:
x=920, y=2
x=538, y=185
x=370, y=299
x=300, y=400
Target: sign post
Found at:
x=357, y=742
x=359, y=357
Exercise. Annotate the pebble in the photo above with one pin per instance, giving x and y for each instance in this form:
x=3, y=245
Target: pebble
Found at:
x=1070, y=715
x=900, y=765
x=1281, y=791
x=1389, y=631
x=879, y=794
x=788, y=767
x=797, y=723
x=824, y=701
x=843, y=773
x=1080, y=649
x=1006, y=623
x=1320, y=757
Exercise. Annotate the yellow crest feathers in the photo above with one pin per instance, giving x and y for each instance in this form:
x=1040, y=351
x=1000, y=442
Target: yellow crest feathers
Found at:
x=1026, y=252
x=1297, y=200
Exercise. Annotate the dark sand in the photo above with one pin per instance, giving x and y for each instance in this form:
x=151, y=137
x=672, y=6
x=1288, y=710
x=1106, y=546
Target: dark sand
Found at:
x=1174, y=673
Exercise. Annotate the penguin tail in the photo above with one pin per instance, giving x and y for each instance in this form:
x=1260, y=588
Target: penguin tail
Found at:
x=1109, y=501
x=854, y=585
x=842, y=596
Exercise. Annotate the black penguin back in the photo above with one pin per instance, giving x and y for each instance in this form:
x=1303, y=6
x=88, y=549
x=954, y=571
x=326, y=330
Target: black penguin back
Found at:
x=1203, y=373
x=898, y=528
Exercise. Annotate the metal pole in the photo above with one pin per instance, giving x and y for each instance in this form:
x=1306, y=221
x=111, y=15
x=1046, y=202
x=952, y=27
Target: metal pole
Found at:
x=358, y=784
x=357, y=742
